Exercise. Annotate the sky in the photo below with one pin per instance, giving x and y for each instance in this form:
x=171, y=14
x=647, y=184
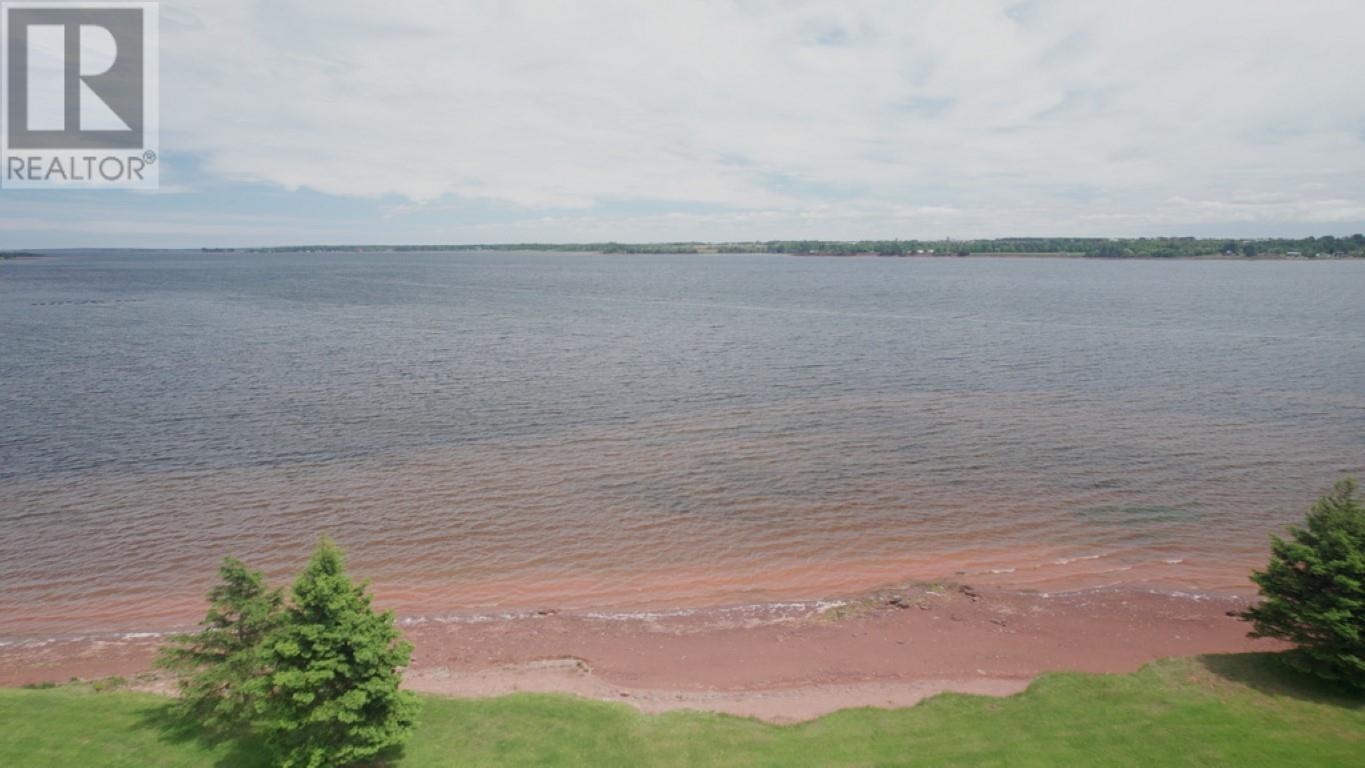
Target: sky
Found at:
x=444, y=121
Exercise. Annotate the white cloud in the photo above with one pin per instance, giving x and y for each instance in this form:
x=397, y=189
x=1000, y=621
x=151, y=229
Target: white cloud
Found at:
x=989, y=116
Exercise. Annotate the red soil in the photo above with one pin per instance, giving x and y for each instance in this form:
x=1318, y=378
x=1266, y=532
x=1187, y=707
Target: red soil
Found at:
x=889, y=648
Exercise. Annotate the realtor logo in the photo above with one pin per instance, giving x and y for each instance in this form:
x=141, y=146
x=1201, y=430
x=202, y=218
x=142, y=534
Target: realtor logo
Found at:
x=80, y=101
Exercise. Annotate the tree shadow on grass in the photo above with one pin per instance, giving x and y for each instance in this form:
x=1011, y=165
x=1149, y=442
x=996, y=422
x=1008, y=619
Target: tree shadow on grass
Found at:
x=241, y=750
x=1270, y=674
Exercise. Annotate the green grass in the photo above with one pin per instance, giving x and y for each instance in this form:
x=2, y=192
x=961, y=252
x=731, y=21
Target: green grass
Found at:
x=1217, y=710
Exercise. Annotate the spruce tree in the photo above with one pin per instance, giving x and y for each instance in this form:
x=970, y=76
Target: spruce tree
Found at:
x=332, y=694
x=218, y=665
x=1314, y=590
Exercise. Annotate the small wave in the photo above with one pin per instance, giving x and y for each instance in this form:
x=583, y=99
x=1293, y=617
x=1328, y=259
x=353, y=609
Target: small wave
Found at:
x=101, y=638
x=1195, y=596
x=1128, y=588
x=1069, y=560
x=778, y=610
x=638, y=615
x=472, y=618
x=38, y=643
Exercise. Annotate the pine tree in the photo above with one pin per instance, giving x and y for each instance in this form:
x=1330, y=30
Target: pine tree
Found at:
x=217, y=664
x=333, y=696
x=1314, y=589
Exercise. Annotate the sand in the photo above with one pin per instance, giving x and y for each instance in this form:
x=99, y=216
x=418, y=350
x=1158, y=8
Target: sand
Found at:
x=779, y=662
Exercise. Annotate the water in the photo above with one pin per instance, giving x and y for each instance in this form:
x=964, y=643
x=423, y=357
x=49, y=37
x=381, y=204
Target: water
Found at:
x=487, y=432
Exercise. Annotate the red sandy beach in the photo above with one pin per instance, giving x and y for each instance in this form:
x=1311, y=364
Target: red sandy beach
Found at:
x=781, y=662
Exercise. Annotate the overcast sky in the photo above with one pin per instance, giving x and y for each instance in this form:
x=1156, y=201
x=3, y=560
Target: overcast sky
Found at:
x=453, y=122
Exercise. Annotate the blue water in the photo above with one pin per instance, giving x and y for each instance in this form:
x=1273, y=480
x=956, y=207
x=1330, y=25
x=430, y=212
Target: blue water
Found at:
x=471, y=425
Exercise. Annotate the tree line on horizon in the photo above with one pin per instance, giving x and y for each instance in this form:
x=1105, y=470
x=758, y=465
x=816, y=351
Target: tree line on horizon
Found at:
x=1327, y=246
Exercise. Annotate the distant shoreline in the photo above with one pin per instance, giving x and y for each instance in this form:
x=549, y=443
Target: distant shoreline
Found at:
x=1067, y=255
x=1326, y=246
x=57, y=253
x=822, y=255
x=1311, y=248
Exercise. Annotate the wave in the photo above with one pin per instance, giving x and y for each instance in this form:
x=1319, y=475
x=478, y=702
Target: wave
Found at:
x=1077, y=559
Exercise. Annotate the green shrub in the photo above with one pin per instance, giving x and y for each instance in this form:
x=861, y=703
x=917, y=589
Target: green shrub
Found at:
x=218, y=664
x=332, y=696
x=111, y=683
x=1314, y=589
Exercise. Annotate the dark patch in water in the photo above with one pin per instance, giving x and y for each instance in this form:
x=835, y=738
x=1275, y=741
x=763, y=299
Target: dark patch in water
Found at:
x=1140, y=514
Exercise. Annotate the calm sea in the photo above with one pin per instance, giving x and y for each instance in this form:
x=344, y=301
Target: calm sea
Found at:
x=488, y=432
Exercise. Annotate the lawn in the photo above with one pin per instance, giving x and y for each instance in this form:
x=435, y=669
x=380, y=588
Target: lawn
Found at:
x=1217, y=710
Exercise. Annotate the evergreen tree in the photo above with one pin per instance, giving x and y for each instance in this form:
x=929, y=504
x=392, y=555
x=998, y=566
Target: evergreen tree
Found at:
x=1314, y=589
x=217, y=664
x=332, y=694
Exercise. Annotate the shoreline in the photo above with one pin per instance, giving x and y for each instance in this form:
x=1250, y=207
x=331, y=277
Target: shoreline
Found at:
x=769, y=609
x=1067, y=255
x=781, y=662
x=399, y=249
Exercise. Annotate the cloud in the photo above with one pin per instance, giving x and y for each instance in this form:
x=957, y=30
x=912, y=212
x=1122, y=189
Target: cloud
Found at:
x=765, y=118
